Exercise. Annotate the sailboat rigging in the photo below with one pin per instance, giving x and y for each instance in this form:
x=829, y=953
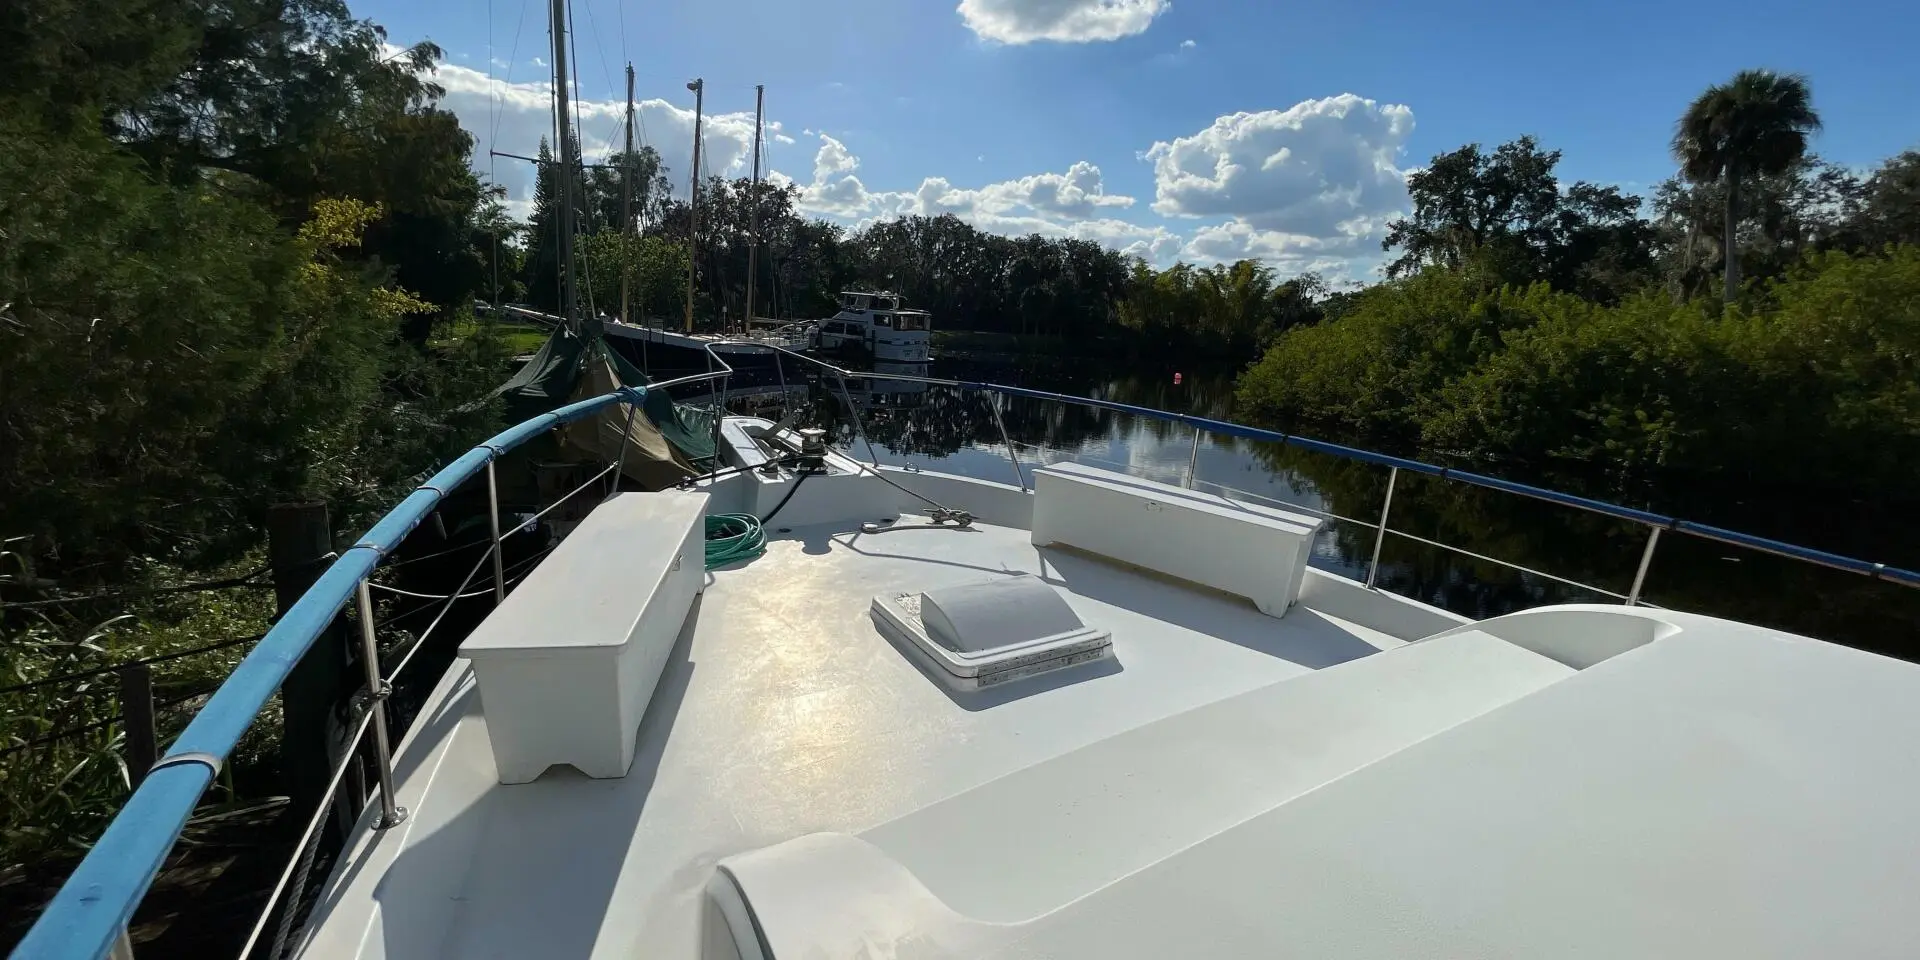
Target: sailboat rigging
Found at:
x=699, y=88
x=753, y=206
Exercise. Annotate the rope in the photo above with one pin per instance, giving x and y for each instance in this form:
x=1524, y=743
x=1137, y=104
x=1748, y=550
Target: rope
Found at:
x=430, y=596
x=61, y=735
x=162, y=658
x=226, y=584
x=71, y=732
x=292, y=906
x=733, y=537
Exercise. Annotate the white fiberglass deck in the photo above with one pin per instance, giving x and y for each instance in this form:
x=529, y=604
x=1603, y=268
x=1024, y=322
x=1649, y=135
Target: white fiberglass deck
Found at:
x=1569, y=782
x=782, y=712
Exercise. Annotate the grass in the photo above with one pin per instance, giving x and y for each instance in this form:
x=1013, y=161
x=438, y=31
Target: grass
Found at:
x=56, y=796
x=520, y=338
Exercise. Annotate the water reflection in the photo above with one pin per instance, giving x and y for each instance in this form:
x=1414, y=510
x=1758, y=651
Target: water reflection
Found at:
x=955, y=430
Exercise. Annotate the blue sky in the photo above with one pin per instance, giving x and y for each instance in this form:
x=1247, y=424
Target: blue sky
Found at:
x=1192, y=128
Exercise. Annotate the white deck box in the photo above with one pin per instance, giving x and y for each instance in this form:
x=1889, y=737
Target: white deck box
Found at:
x=1251, y=551
x=567, y=665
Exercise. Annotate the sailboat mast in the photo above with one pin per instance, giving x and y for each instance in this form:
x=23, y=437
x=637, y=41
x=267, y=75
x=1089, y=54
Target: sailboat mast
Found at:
x=626, y=203
x=699, y=88
x=753, y=204
x=569, y=307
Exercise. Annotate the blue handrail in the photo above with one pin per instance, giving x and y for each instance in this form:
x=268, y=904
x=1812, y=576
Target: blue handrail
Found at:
x=1878, y=571
x=95, y=904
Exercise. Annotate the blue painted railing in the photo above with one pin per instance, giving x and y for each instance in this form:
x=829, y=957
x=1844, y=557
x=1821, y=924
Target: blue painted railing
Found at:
x=93, y=907
x=91, y=911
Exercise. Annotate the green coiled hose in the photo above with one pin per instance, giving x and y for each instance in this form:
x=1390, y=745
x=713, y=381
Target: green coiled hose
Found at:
x=732, y=537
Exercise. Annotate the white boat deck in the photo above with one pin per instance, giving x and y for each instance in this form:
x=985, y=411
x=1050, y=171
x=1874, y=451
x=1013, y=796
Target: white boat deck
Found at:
x=1580, y=781
x=782, y=712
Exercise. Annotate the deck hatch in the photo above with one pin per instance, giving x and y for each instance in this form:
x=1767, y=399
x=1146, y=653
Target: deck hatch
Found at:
x=989, y=632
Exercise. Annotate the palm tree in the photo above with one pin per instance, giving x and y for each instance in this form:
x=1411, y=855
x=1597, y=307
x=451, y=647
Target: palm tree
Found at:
x=1756, y=124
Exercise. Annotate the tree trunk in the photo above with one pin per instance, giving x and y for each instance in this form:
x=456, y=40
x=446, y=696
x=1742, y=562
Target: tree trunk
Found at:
x=1730, y=249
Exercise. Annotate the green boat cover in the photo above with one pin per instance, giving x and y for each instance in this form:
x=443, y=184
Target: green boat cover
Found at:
x=548, y=381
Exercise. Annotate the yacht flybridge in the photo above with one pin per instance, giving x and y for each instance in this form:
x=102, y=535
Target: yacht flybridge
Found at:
x=1076, y=714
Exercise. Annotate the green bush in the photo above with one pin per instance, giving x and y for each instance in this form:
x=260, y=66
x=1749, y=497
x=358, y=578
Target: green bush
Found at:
x=1818, y=382
x=1381, y=366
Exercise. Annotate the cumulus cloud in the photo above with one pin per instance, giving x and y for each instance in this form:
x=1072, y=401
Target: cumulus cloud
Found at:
x=1077, y=194
x=836, y=191
x=1070, y=204
x=1305, y=183
x=1062, y=21
x=513, y=117
x=1153, y=243
x=1074, y=195
x=1291, y=254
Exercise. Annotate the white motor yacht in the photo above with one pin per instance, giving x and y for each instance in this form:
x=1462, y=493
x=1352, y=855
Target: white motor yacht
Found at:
x=879, y=327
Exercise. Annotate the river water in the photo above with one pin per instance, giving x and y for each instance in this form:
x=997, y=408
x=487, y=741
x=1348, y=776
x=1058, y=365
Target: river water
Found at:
x=1549, y=553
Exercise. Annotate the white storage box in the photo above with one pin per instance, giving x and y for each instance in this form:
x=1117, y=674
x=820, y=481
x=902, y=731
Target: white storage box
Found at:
x=567, y=665
x=1250, y=551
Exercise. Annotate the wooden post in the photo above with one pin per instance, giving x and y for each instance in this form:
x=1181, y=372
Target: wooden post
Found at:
x=299, y=545
x=136, y=715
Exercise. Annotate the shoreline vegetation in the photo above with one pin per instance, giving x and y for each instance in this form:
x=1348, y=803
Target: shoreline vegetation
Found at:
x=1764, y=322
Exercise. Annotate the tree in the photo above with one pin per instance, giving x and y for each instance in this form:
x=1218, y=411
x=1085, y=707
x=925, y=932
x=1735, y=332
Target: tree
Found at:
x=500, y=240
x=1470, y=205
x=1890, y=203
x=1812, y=206
x=1505, y=215
x=542, y=265
x=288, y=101
x=1756, y=124
x=655, y=267
x=652, y=190
x=197, y=320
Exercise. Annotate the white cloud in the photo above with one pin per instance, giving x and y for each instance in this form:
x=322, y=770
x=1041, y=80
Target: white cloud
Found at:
x=1060, y=197
x=1067, y=204
x=1289, y=253
x=836, y=191
x=1063, y=21
x=1306, y=185
x=1075, y=195
x=1305, y=170
x=1351, y=256
x=1155, y=244
x=1188, y=44
x=513, y=117
x=1307, y=188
